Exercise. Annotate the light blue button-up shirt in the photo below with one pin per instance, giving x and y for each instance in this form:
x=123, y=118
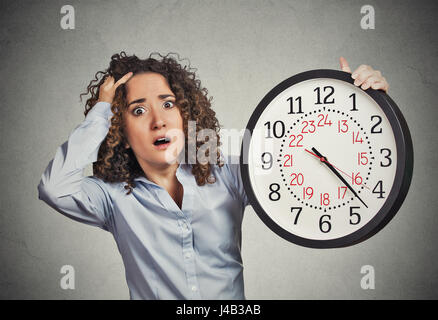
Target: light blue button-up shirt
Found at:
x=168, y=253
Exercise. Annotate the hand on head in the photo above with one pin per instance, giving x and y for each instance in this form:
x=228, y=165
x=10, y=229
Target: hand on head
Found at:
x=108, y=88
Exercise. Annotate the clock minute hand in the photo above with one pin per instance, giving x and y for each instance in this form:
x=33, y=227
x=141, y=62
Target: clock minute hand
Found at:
x=325, y=160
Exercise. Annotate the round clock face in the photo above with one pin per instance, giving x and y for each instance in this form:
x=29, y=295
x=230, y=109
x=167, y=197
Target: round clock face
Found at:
x=327, y=163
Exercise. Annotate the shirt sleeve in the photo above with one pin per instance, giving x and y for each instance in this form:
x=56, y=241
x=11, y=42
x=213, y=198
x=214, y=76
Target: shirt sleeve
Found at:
x=63, y=185
x=232, y=165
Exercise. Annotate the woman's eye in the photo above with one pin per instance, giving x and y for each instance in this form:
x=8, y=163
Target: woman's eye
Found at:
x=138, y=111
x=168, y=104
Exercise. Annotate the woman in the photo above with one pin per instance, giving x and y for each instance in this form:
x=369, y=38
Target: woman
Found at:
x=177, y=225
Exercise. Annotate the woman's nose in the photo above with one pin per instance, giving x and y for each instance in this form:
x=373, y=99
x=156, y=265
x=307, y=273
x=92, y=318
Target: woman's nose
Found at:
x=158, y=120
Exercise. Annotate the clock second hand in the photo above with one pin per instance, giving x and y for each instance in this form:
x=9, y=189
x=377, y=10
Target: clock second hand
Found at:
x=324, y=159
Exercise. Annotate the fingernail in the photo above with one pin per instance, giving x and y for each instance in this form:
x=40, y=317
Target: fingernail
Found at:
x=354, y=75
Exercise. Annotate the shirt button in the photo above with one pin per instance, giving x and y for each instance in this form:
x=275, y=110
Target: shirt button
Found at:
x=188, y=255
x=194, y=288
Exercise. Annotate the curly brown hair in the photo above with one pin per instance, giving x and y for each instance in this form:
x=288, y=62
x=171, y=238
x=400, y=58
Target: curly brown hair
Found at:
x=114, y=162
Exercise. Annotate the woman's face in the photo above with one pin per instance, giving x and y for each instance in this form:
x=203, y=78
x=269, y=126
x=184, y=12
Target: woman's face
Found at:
x=152, y=114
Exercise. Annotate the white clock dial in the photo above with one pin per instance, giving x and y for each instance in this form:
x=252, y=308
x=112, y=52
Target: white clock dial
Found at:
x=322, y=159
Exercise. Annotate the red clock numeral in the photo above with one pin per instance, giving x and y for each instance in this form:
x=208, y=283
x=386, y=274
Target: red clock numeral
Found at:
x=324, y=199
x=306, y=124
x=325, y=118
x=339, y=192
x=299, y=179
x=356, y=138
x=299, y=138
x=289, y=159
x=356, y=179
x=307, y=192
x=342, y=126
x=362, y=158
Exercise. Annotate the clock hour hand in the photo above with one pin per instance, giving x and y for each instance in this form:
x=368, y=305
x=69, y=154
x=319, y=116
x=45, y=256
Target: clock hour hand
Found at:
x=325, y=160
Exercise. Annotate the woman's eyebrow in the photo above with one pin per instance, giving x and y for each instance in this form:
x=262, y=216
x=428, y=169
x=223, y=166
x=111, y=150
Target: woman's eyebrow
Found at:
x=161, y=96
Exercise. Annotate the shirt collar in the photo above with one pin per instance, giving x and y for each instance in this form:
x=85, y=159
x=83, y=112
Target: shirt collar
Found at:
x=181, y=167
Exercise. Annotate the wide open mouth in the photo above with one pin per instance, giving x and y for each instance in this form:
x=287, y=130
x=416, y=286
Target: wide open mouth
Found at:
x=162, y=140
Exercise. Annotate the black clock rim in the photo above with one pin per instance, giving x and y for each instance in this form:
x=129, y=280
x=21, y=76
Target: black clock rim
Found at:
x=403, y=175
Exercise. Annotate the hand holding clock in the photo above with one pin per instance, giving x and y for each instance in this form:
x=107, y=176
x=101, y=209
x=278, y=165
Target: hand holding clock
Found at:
x=365, y=76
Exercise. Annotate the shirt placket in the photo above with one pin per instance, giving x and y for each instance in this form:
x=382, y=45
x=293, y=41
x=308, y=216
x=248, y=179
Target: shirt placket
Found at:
x=184, y=223
x=189, y=260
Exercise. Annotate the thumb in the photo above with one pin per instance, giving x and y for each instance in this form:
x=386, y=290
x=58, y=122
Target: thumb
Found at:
x=344, y=65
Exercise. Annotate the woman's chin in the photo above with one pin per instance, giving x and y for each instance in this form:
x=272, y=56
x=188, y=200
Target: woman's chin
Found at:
x=167, y=156
x=171, y=153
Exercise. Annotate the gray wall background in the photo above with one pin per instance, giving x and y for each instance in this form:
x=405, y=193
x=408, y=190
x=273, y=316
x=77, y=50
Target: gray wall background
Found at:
x=241, y=49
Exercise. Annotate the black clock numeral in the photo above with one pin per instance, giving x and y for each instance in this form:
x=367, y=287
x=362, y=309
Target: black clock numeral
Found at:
x=354, y=214
x=386, y=157
x=325, y=226
x=269, y=162
x=353, y=96
x=274, y=195
x=380, y=191
x=291, y=99
x=326, y=98
x=275, y=129
x=298, y=213
x=379, y=121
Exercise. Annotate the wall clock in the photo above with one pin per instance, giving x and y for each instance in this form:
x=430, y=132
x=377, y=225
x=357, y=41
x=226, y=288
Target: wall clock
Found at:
x=326, y=164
